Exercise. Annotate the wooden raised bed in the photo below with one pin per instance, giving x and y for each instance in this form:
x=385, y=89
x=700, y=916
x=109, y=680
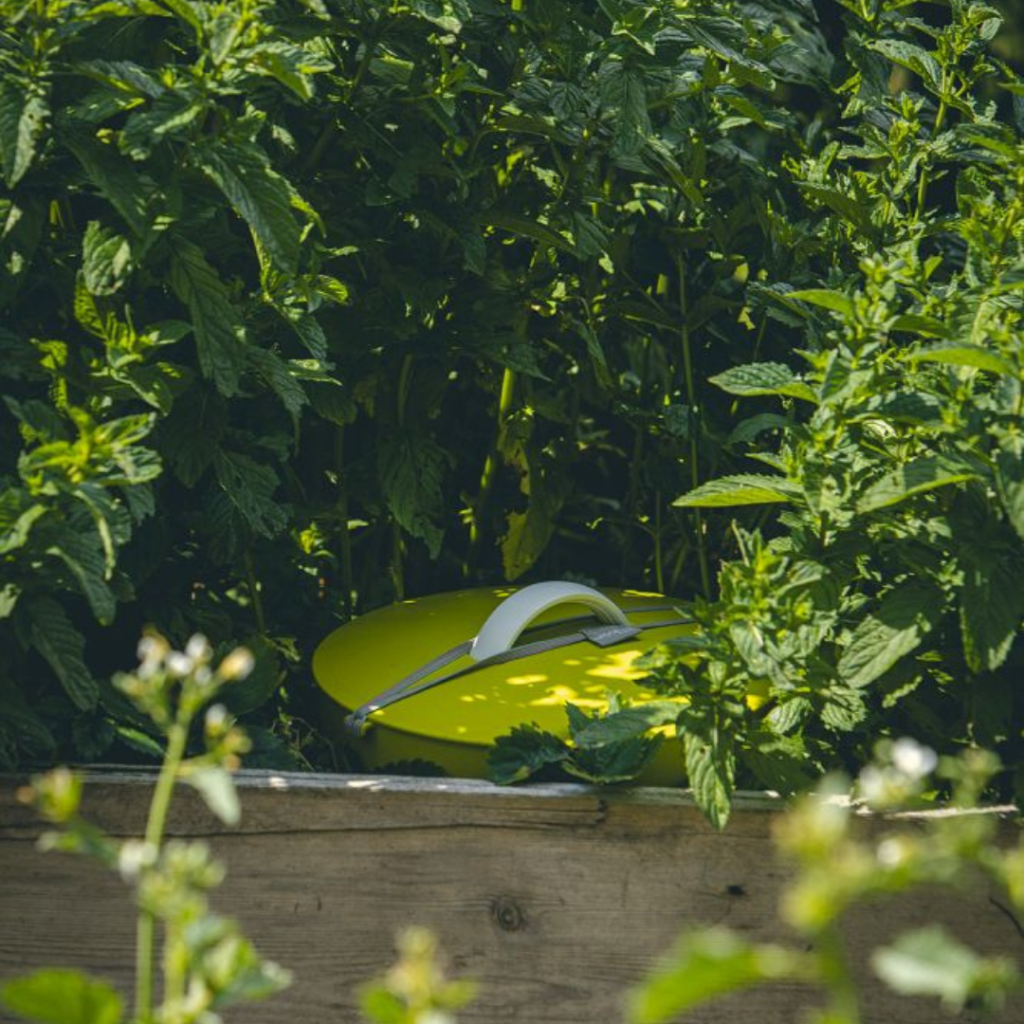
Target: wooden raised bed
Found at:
x=556, y=898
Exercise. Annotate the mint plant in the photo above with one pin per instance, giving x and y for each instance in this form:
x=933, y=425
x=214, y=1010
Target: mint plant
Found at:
x=206, y=962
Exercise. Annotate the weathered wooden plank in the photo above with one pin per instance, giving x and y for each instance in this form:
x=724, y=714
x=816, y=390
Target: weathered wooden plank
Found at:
x=556, y=898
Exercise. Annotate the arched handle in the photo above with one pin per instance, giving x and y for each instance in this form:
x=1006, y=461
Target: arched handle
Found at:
x=516, y=612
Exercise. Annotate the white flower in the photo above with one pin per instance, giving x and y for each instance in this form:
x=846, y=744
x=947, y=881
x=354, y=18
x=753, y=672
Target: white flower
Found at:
x=913, y=759
x=179, y=664
x=134, y=855
x=198, y=648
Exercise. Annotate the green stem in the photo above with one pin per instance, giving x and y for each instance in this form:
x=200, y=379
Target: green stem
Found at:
x=845, y=1006
x=691, y=398
x=659, y=571
x=254, y=593
x=344, y=536
x=145, y=930
x=922, y=185
x=490, y=470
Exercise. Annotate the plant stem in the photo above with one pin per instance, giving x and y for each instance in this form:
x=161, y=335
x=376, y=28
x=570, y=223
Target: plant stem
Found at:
x=177, y=737
x=922, y=185
x=254, y=593
x=691, y=398
x=845, y=1006
x=490, y=470
x=344, y=536
x=659, y=572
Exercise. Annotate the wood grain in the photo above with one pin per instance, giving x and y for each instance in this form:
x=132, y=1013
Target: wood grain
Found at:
x=555, y=898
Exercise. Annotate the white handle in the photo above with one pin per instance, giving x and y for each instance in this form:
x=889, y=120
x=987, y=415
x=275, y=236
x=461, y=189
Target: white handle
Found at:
x=516, y=612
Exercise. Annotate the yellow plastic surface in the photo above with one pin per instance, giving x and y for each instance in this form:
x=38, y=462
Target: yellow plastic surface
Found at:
x=453, y=723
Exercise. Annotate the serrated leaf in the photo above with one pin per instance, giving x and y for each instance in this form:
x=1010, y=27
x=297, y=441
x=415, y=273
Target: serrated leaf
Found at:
x=740, y=489
x=291, y=65
x=278, y=375
x=711, y=769
x=763, y=379
x=842, y=708
x=613, y=763
x=411, y=469
x=259, y=195
x=705, y=965
x=114, y=177
x=925, y=473
x=1010, y=484
x=106, y=259
x=24, y=111
x=218, y=330
x=217, y=789
x=83, y=554
x=900, y=622
x=991, y=598
x=58, y=996
x=912, y=57
x=522, y=753
x=250, y=487
x=63, y=647
x=958, y=354
x=625, y=724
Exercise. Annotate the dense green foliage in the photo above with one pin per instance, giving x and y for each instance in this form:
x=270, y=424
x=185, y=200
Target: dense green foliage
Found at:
x=309, y=305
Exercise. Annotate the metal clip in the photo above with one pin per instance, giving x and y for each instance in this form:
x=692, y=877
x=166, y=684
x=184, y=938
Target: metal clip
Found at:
x=608, y=635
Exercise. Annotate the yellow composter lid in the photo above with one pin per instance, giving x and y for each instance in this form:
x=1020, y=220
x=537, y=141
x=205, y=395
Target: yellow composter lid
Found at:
x=434, y=676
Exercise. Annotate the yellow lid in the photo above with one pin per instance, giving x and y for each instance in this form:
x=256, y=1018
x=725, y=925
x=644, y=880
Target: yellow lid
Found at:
x=358, y=661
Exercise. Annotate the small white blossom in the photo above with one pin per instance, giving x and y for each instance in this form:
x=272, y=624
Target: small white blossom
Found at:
x=913, y=759
x=133, y=857
x=216, y=718
x=198, y=648
x=179, y=664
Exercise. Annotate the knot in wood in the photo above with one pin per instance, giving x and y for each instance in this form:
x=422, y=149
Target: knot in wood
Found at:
x=507, y=914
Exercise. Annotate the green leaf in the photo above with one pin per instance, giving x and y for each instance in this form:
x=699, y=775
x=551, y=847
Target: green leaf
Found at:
x=1010, y=483
x=250, y=488
x=220, y=337
x=259, y=195
x=958, y=354
x=278, y=375
x=925, y=473
x=707, y=964
x=628, y=92
x=625, y=724
x=750, y=429
x=106, y=259
x=900, y=622
x=82, y=553
x=58, y=996
x=411, y=468
x=613, y=763
x=825, y=298
x=63, y=647
x=522, y=753
x=711, y=769
x=24, y=111
x=991, y=598
x=116, y=179
x=740, y=489
x=916, y=59
x=842, y=708
x=930, y=962
x=291, y=65
x=763, y=379
x=217, y=789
